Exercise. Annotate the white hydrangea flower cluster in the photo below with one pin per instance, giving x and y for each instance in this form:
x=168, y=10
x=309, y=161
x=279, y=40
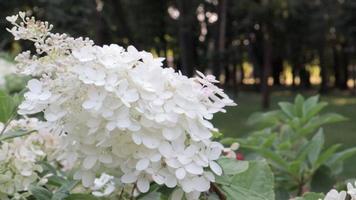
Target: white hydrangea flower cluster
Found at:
x=342, y=195
x=19, y=157
x=120, y=110
x=103, y=186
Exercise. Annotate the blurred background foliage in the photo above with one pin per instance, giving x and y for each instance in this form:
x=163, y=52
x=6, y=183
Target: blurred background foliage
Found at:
x=250, y=45
x=262, y=51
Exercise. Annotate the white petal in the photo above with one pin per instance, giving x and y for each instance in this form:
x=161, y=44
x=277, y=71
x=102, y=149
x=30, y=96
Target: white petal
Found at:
x=171, y=133
x=215, y=168
x=201, y=184
x=105, y=159
x=142, y=164
x=150, y=142
x=143, y=185
x=184, y=159
x=171, y=181
x=156, y=157
x=129, y=178
x=180, y=173
x=209, y=176
x=158, y=179
x=89, y=162
x=194, y=168
x=166, y=150
x=215, y=153
x=136, y=138
x=172, y=162
x=87, y=178
x=34, y=85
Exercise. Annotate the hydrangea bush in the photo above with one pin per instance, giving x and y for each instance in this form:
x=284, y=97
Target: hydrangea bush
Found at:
x=117, y=125
x=118, y=110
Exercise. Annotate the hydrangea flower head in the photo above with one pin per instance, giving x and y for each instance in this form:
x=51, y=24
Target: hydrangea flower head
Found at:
x=19, y=167
x=120, y=110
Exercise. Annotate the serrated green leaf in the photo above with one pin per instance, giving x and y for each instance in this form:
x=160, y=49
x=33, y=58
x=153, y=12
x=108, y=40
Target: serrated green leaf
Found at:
x=14, y=133
x=79, y=196
x=311, y=196
x=339, y=157
x=152, y=196
x=298, y=105
x=264, y=119
x=275, y=159
x=326, y=155
x=315, y=146
x=256, y=183
x=232, y=166
x=7, y=107
x=288, y=109
x=56, y=181
x=40, y=193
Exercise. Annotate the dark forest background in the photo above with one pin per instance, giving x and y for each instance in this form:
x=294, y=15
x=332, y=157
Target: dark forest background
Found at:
x=250, y=45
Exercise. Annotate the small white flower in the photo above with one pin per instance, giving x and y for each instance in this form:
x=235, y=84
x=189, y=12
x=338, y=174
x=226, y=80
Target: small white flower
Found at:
x=21, y=155
x=12, y=19
x=103, y=186
x=351, y=190
x=335, y=195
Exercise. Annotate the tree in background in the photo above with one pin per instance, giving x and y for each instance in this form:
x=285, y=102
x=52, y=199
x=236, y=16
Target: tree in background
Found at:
x=219, y=36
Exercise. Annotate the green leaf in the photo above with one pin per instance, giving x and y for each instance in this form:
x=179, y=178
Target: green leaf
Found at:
x=298, y=103
x=275, y=159
x=217, y=135
x=7, y=107
x=232, y=166
x=64, y=190
x=331, y=118
x=311, y=107
x=338, y=158
x=264, y=119
x=56, y=181
x=79, y=196
x=311, y=196
x=326, y=155
x=315, y=146
x=213, y=197
x=317, y=122
x=13, y=134
x=227, y=141
x=152, y=196
x=256, y=183
x=40, y=193
x=287, y=109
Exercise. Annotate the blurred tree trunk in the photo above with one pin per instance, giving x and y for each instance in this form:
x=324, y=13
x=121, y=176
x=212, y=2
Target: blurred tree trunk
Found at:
x=122, y=24
x=336, y=66
x=304, y=76
x=101, y=35
x=294, y=75
x=220, y=42
x=267, y=63
x=242, y=72
x=340, y=67
x=233, y=76
x=186, y=36
x=162, y=47
x=277, y=70
x=345, y=61
x=323, y=71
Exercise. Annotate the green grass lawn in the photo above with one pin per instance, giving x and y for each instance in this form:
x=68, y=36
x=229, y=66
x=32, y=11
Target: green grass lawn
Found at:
x=233, y=123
